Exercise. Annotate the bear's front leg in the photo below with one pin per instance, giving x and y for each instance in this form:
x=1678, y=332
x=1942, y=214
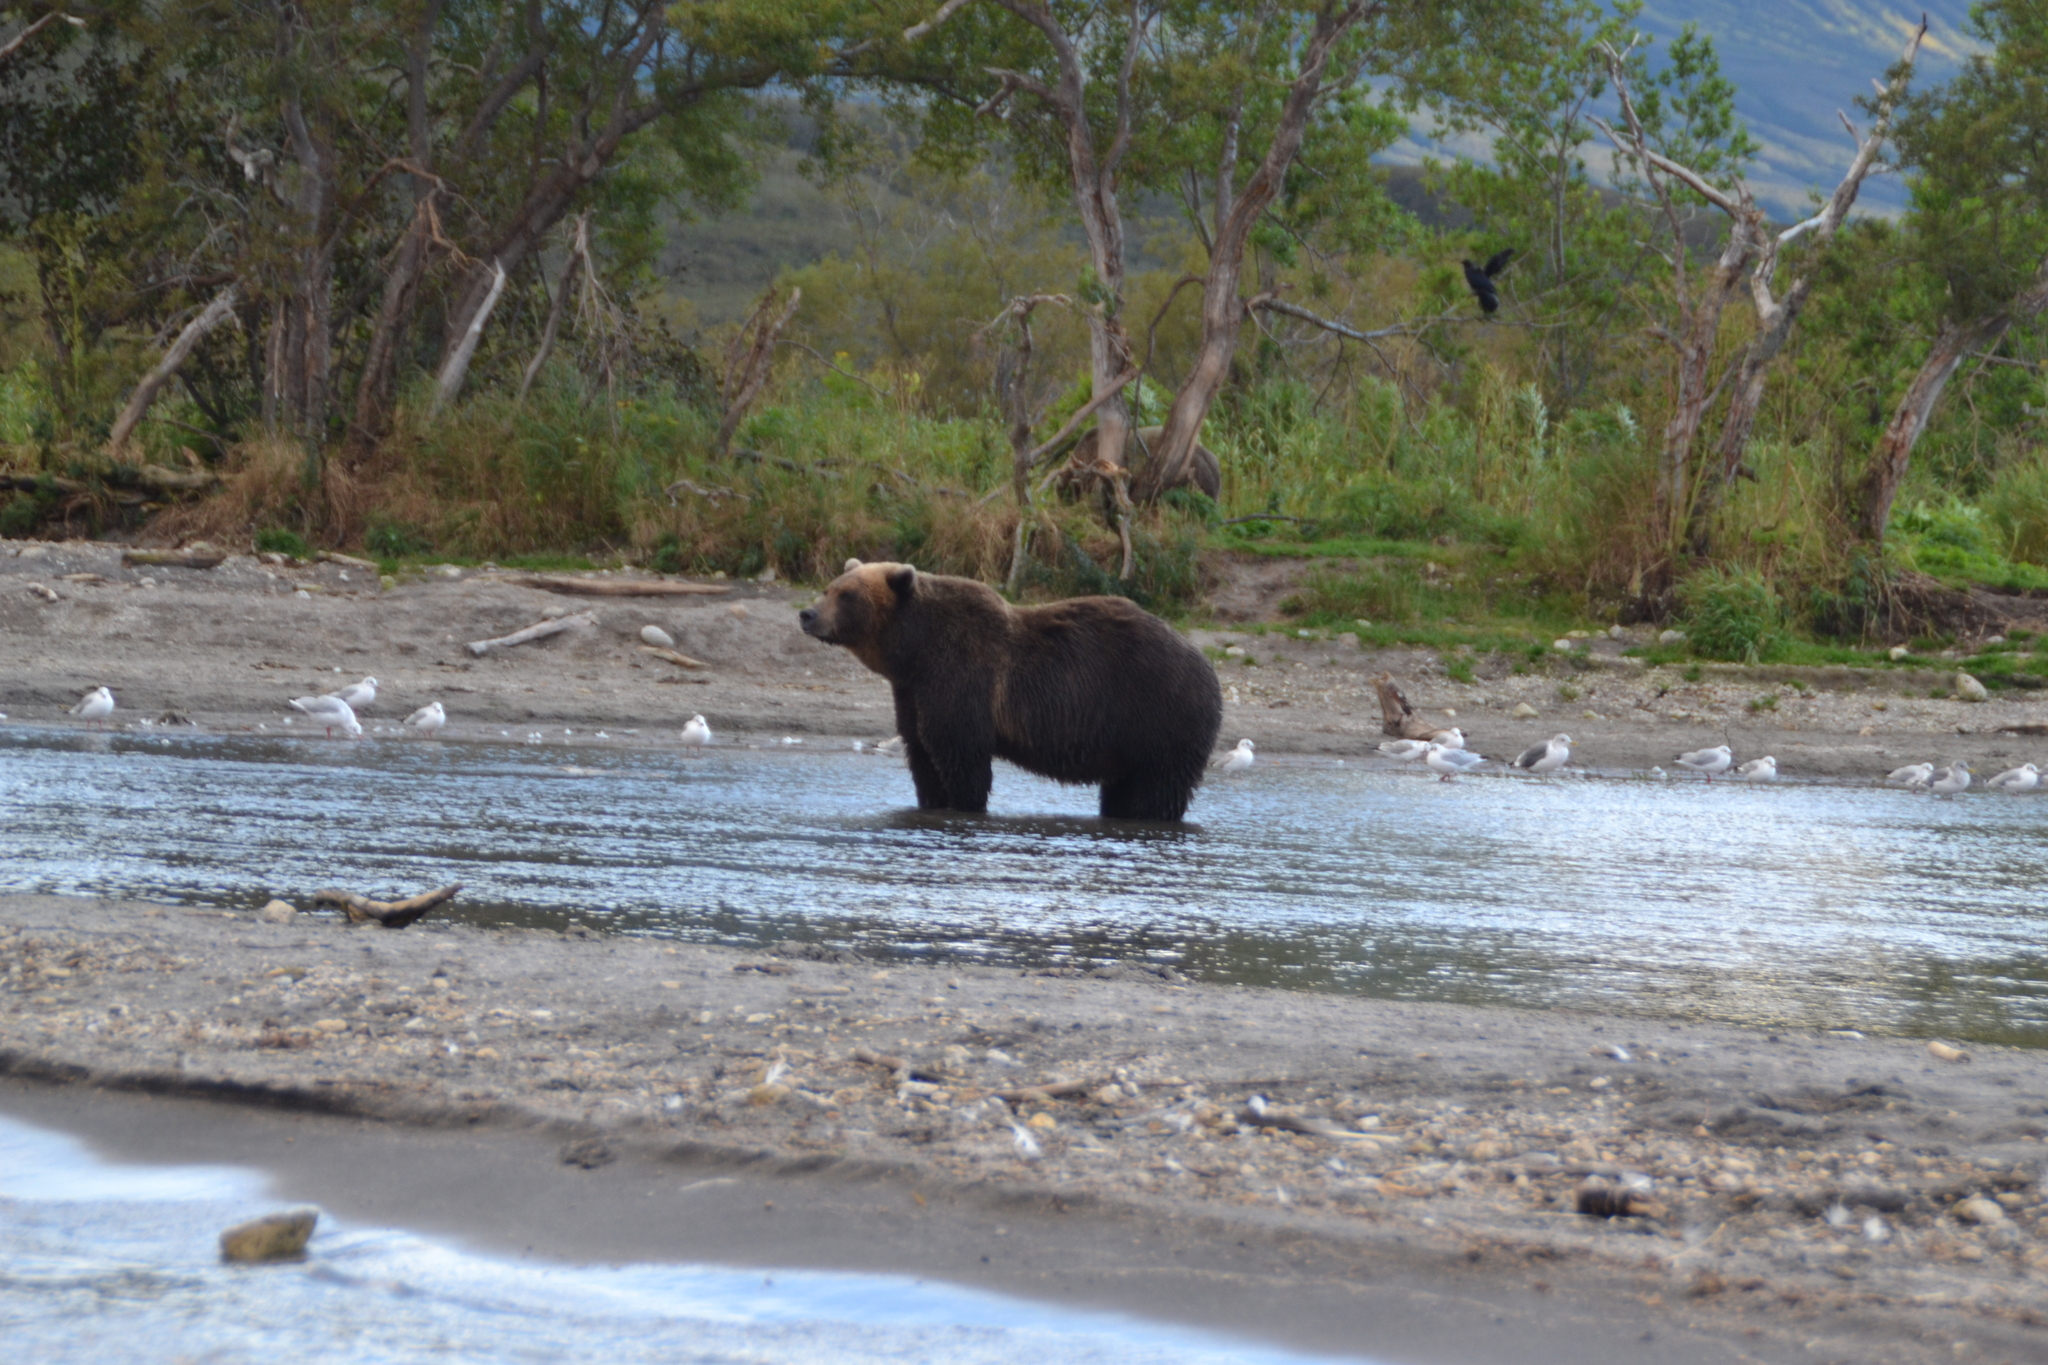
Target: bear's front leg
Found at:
x=950, y=743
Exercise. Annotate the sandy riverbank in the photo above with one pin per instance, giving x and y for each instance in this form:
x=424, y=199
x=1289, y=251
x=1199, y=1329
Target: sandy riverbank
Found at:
x=1429, y=1215
x=226, y=647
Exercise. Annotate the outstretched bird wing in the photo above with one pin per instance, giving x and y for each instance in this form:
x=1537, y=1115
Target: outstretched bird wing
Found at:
x=1498, y=261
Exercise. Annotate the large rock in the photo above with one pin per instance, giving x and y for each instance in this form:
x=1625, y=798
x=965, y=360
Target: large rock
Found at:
x=1969, y=689
x=273, y=1237
x=277, y=912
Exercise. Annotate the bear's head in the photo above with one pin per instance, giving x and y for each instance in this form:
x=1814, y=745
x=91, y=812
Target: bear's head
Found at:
x=856, y=608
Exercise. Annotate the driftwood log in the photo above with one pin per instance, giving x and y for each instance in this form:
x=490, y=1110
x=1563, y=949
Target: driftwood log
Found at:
x=173, y=559
x=620, y=587
x=539, y=630
x=390, y=914
x=681, y=660
x=336, y=557
x=1398, y=718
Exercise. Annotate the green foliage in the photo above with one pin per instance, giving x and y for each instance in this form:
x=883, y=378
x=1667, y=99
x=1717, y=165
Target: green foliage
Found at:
x=395, y=540
x=1732, y=614
x=278, y=540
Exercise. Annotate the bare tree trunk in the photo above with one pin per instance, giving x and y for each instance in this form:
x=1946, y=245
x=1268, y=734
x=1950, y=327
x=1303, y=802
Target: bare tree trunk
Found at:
x=579, y=250
x=745, y=377
x=1955, y=343
x=1699, y=327
x=220, y=310
x=1237, y=213
x=456, y=368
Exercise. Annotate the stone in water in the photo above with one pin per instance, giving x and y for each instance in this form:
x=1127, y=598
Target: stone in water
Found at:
x=274, y=1237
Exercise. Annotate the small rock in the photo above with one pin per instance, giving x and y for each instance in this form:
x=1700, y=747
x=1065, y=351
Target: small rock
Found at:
x=277, y=912
x=1978, y=1209
x=1562, y=646
x=589, y=1153
x=656, y=636
x=766, y=575
x=765, y=1095
x=739, y=610
x=1671, y=637
x=1524, y=711
x=1616, y=633
x=1969, y=689
x=1899, y=652
x=331, y=1025
x=1942, y=1052
x=274, y=1237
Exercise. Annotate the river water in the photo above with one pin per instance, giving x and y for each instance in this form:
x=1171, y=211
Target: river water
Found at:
x=106, y=1264
x=1793, y=904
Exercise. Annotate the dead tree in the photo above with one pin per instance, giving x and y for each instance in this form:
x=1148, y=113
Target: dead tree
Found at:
x=747, y=362
x=222, y=309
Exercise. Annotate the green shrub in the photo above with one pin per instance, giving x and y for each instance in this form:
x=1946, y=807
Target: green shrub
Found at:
x=276, y=540
x=395, y=540
x=1732, y=614
x=18, y=517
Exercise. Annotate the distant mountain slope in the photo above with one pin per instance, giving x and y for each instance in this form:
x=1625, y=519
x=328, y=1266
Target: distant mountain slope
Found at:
x=1796, y=62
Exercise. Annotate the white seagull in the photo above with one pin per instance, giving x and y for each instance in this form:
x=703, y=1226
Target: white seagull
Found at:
x=1763, y=769
x=890, y=747
x=2024, y=778
x=358, y=695
x=1237, y=760
x=332, y=712
x=428, y=718
x=1547, y=757
x=1451, y=762
x=95, y=706
x=1912, y=775
x=696, y=734
x=1709, y=761
x=1950, y=780
x=1453, y=738
x=1405, y=750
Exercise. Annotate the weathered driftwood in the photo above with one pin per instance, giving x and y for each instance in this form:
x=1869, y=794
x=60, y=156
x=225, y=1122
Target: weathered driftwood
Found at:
x=539, y=630
x=619, y=587
x=390, y=914
x=1398, y=717
x=334, y=557
x=682, y=659
x=220, y=310
x=172, y=559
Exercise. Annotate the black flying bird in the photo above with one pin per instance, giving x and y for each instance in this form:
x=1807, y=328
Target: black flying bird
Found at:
x=1479, y=278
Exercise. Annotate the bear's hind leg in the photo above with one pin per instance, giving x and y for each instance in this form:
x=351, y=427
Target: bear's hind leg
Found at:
x=1146, y=796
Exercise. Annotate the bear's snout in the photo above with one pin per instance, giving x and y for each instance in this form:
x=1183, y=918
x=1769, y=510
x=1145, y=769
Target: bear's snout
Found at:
x=807, y=619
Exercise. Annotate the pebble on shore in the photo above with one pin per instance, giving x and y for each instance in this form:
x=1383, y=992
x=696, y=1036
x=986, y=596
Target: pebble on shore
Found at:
x=273, y=1237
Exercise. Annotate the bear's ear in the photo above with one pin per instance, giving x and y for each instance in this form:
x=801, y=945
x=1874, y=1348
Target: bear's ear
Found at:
x=851, y=565
x=902, y=580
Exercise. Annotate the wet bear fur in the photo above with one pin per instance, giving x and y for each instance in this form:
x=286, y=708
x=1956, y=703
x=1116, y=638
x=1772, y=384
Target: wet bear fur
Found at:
x=1093, y=690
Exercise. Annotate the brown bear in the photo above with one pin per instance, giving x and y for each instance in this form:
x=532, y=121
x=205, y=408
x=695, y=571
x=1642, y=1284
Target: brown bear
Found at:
x=1090, y=690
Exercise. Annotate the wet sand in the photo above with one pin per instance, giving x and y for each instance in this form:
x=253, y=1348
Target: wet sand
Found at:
x=1406, y=1184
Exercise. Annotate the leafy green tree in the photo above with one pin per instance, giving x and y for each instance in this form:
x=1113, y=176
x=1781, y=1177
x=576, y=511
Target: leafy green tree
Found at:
x=1976, y=230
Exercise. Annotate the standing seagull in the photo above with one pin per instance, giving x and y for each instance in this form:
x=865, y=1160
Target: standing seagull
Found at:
x=1950, y=780
x=1238, y=759
x=1479, y=279
x=2024, y=778
x=1912, y=775
x=1763, y=769
x=1547, y=757
x=95, y=706
x=428, y=718
x=331, y=712
x=1709, y=761
x=1453, y=738
x=1451, y=762
x=696, y=734
x=1405, y=750
x=358, y=695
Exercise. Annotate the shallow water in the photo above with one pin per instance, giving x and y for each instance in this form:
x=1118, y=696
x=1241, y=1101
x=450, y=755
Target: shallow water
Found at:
x=1794, y=904
x=103, y=1263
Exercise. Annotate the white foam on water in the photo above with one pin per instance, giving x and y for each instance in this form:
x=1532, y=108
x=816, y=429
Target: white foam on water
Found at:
x=110, y=1263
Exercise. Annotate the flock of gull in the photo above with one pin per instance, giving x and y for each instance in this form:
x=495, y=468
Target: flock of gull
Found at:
x=1443, y=752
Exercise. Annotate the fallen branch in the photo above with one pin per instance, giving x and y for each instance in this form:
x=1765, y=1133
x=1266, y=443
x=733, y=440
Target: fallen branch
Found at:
x=1052, y=1090
x=682, y=660
x=540, y=630
x=390, y=914
x=172, y=559
x=1398, y=717
x=161, y=478
x=334, y=557
x=614, y=587
x=221, y=309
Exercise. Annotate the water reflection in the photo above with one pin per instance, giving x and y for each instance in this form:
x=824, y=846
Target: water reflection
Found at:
x=1798, y=904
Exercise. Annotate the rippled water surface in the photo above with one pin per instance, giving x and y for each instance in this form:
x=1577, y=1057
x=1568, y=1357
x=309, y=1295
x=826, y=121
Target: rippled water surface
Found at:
x=104, y=1264
x=1796, y=904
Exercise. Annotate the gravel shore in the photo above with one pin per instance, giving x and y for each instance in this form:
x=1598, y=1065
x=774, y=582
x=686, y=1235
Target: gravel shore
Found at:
x=1783, y=1196
x=226, y=647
